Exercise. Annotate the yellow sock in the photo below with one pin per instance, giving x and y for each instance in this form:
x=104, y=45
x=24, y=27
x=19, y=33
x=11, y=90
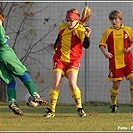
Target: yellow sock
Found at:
x=76, y=95
x=131, y=93
x=114, y=94
x=53, y=99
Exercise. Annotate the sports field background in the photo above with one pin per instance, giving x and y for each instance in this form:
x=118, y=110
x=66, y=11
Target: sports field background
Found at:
x=33, y=26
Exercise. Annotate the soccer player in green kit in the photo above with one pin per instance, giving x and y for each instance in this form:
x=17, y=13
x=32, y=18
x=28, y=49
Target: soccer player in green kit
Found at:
x=10, y=67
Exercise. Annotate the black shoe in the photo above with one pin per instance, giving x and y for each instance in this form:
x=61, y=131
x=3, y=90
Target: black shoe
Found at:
x=81, y=112
x=114, y=109
x=40, y=101
x=49, y=113
x=131, y=104
x=15, y=108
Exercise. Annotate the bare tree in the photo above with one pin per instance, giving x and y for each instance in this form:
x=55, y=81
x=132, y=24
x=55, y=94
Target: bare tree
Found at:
x=24, y=33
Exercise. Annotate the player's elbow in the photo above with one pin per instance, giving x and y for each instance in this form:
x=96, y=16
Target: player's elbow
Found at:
x=86, y=46
x=86, y=43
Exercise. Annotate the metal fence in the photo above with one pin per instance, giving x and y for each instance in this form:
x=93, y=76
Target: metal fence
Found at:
x=33, y=26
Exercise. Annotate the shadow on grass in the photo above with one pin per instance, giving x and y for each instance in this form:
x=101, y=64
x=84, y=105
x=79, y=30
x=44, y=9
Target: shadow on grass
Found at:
x=93, y=108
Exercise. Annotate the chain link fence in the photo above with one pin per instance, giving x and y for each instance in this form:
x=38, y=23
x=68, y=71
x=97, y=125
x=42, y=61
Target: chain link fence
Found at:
x=33, y=26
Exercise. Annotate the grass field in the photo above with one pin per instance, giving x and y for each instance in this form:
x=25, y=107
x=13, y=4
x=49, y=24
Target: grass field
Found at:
x=98, y=118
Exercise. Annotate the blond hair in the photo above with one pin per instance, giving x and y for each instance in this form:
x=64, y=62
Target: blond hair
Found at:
x=86, y=14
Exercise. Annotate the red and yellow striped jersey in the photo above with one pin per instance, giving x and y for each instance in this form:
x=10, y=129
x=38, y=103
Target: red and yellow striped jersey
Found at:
x=70, y=43
x=117, y=40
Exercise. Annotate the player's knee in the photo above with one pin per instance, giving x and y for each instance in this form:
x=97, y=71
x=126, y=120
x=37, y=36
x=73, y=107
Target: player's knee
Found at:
x=73, y=86
x=116, y=85
x=131, y=81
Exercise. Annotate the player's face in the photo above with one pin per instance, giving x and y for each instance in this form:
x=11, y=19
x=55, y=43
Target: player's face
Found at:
x=0, y=22
x=71, y=23
x=116, y=22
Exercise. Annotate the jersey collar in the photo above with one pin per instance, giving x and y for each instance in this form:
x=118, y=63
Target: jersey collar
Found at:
x=121, y=27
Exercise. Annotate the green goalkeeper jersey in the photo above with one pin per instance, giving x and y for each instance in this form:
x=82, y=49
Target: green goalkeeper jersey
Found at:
x=10, y=65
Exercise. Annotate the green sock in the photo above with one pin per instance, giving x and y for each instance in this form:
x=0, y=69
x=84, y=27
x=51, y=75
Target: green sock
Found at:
x=31, y=87
x=11, y=92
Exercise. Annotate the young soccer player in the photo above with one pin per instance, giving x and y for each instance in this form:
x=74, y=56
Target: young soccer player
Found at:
x=10, y=67
x=119, y=40
x=72, y=37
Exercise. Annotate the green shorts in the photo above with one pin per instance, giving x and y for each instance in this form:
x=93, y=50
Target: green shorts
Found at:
x=11, y=68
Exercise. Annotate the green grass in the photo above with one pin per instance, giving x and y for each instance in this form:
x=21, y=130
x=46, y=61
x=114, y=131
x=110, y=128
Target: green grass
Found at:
x=98, y=118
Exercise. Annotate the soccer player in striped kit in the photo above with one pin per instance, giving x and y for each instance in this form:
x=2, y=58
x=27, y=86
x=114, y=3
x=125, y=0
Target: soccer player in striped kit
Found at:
x=119, y=40
x=72, y=37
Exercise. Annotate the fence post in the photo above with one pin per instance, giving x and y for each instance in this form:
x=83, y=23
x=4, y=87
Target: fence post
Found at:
x=85, y=71
x=2, y=87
